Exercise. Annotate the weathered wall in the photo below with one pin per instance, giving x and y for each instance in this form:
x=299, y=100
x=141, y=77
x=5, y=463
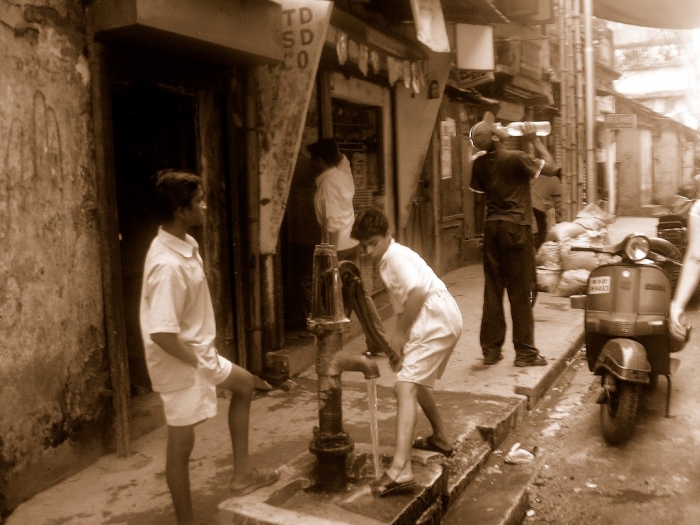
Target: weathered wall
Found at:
x=52, y=355
x=634, y=158
x=667, y=166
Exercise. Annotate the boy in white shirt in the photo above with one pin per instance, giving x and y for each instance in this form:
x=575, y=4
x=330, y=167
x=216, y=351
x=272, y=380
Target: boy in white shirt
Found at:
x=428, y=327
x=178, y=329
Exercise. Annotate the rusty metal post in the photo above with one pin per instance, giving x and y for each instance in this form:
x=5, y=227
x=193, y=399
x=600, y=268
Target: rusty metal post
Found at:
x=331, y=444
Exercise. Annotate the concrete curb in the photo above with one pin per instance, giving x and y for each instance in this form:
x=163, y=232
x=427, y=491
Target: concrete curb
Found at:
x=536, y=393
x=498, y=494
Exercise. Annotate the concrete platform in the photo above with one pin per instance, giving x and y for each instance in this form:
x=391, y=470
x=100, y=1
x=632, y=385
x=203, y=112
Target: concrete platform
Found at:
x=483, y=403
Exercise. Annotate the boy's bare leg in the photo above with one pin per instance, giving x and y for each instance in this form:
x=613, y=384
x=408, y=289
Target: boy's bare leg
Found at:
x=441, y=433
x=240, y=383
x=177, y=471
x=400, y=469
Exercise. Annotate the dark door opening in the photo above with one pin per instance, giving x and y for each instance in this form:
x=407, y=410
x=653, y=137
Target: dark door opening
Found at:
x=154, y=128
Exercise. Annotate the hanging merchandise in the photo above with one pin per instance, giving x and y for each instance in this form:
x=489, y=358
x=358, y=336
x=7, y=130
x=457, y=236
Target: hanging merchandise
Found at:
x=421, y=73
x=362, y=61
x=341, y=47
x=353, y=50
x=415, y=84
x=407, y=73
x=392, y=67
x=374, y=61
x=398, y=65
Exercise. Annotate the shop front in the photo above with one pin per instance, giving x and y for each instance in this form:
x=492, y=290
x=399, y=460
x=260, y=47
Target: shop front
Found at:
x=354, y=101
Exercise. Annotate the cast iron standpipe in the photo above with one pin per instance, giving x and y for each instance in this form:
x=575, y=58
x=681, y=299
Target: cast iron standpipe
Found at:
x=331, y=444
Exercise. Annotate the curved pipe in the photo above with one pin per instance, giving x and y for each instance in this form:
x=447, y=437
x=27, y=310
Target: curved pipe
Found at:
x=342, y=362
x=362, y=304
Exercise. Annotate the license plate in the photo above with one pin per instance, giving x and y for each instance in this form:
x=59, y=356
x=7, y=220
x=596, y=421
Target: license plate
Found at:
x=597, y=285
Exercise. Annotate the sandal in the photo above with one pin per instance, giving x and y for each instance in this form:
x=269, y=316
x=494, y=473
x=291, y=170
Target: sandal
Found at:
x=431, y=445
x=385, y=486
x=259, y=478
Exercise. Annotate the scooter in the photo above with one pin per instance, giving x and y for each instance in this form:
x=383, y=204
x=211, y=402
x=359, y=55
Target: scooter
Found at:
x=628, y=343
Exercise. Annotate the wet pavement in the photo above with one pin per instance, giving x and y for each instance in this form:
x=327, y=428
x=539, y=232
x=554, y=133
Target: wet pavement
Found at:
x=482, y=403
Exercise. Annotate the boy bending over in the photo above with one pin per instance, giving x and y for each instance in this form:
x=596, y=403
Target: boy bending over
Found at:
x=428, y=327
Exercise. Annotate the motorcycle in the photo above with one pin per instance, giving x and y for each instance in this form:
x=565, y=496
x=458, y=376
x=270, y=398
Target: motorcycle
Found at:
x=628, y=343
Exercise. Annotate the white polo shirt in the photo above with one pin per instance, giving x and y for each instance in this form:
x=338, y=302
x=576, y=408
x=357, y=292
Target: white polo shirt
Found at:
x=175, y=299
x=402, y=271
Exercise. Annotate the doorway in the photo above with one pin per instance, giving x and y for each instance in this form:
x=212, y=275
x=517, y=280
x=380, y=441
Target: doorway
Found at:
x=154, y=128
x=168, y=112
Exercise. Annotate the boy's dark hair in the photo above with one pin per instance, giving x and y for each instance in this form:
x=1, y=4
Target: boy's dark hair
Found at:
x=369, y=223
x=175, y=189
x=326, y=150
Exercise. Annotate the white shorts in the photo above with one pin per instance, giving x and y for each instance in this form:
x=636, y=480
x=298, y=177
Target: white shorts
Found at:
x=195, y=403
x=433, y=337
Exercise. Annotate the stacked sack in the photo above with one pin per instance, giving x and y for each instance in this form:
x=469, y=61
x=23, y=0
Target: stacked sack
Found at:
x=563, y=272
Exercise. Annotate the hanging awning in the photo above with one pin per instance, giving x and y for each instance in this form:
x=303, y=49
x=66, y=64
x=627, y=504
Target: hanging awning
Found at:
x=473, y=12
x=454, y=11
x=238, y=31
x=677, y=14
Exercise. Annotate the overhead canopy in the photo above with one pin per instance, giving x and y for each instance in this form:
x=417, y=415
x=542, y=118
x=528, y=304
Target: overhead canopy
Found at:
x=664, y=14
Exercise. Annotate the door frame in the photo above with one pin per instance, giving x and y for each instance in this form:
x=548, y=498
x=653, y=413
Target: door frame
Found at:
x=114, y=60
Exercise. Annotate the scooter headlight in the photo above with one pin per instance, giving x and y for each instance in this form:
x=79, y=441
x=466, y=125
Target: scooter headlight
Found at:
x=637, y=247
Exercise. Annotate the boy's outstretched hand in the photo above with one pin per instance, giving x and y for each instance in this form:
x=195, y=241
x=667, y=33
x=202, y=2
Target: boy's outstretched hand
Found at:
x=398, y=341
x=396, y=364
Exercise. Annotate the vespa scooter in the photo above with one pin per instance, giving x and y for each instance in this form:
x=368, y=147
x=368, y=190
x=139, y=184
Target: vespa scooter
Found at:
x=628, y=343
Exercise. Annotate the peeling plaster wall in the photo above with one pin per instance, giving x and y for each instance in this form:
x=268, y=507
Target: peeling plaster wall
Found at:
x=668, y=171
x=634, y=159
x=52, y=350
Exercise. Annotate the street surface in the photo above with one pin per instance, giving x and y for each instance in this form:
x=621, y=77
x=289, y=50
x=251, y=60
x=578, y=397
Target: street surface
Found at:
x=652, y=479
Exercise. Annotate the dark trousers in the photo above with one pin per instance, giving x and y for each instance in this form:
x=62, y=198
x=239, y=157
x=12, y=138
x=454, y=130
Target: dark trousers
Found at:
x=509, y=264
x=541, y=235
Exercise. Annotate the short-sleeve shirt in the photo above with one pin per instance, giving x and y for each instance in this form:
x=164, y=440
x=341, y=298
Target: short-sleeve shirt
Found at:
x=402, y=270
x=546, y=193
x=175, y=299
x=504, y=176
x=335, y=189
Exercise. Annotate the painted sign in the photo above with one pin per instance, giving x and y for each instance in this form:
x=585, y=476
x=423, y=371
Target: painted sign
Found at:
x=430, y=25
x=621, y=120
x=448, y=130
x=285, y=91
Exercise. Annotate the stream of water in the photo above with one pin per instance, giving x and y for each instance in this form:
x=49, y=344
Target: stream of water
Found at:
x=373, y=428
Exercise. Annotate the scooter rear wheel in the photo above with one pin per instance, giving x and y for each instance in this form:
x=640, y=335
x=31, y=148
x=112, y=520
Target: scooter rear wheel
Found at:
x=619, y=412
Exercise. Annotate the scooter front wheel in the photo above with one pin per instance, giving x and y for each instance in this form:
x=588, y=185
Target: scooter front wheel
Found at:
x=619, y=411
x=653, y=381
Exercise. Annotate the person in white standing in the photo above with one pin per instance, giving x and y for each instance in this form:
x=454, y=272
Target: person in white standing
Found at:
x=333, y=202
x=178, y=330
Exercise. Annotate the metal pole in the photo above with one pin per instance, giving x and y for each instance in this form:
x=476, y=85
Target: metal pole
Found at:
x=589, y=66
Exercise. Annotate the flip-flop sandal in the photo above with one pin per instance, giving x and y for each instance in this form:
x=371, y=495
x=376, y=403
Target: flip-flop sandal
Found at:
x=260, y=479
x=430, y=445
x=385, y=486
